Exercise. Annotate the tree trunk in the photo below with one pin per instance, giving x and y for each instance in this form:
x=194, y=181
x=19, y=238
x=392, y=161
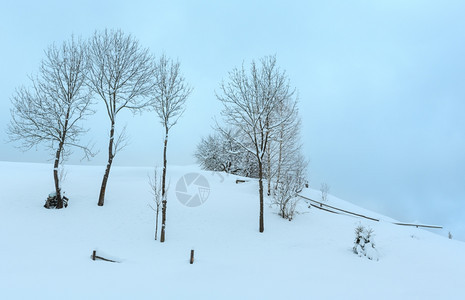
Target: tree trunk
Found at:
x=280, y=158
x=56, y=177
x=163, y=196
x=101, y=198
x=57, y=162
x=156, y=222
x=260, y=189
x=268, y=168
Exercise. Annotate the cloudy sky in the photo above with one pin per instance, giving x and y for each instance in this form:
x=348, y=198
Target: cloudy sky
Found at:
x=381, y=86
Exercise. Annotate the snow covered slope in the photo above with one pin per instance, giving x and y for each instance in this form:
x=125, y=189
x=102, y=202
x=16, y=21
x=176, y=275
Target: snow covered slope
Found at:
x=45, y=254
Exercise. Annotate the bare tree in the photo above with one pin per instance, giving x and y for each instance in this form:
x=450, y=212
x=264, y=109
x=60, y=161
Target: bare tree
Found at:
x=324, y=189
x=169, y=93
x=50, y=112
x=287, y=138
x=155, y=189
x=249, y=100
x=121, y=74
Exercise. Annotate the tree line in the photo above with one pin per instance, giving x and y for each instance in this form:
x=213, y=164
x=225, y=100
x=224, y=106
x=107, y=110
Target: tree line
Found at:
x=259, y=138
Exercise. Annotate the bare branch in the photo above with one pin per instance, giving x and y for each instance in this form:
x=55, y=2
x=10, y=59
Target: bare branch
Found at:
x=155, y=183
x=122, y=141
x=170, y=91
x=120, y=71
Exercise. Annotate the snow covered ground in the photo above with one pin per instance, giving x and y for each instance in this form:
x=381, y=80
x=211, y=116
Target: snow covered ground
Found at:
x=45, y=254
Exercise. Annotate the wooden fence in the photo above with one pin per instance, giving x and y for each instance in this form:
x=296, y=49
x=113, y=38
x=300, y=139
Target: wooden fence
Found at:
x=339, y=211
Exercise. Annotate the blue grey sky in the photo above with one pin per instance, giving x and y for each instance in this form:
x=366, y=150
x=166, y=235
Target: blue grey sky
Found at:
x=381, y=86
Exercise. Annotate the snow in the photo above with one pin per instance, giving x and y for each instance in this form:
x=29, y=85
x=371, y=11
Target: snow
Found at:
x=47, y=253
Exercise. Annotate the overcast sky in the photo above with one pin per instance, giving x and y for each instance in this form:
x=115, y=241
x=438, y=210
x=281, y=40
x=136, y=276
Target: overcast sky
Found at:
x=381, y=86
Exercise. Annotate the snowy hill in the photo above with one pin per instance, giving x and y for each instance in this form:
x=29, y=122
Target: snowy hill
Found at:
x=46, y=254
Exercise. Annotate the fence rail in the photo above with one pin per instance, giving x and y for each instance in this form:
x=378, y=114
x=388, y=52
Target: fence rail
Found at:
x=419, y=225
x=338, y=211
x=326, y=206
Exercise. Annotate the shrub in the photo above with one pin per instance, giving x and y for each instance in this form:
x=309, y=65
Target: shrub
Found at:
x=364, y=244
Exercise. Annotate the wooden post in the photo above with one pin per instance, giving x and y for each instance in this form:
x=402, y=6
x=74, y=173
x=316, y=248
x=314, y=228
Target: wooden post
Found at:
x=192, y=256
x=94, y=254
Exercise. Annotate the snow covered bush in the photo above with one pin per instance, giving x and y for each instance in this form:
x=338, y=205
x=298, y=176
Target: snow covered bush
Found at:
x=52, y=201
x=286, y=203
x=324, y=189
x=222, y=152
x=364, y=244
x=285, y=195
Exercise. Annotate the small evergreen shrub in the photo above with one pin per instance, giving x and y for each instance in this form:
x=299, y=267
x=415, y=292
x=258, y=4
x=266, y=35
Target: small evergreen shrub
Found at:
x=364, y=244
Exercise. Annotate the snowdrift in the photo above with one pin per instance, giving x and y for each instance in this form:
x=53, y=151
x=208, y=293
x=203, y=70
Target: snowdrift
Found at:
x=46, y=254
